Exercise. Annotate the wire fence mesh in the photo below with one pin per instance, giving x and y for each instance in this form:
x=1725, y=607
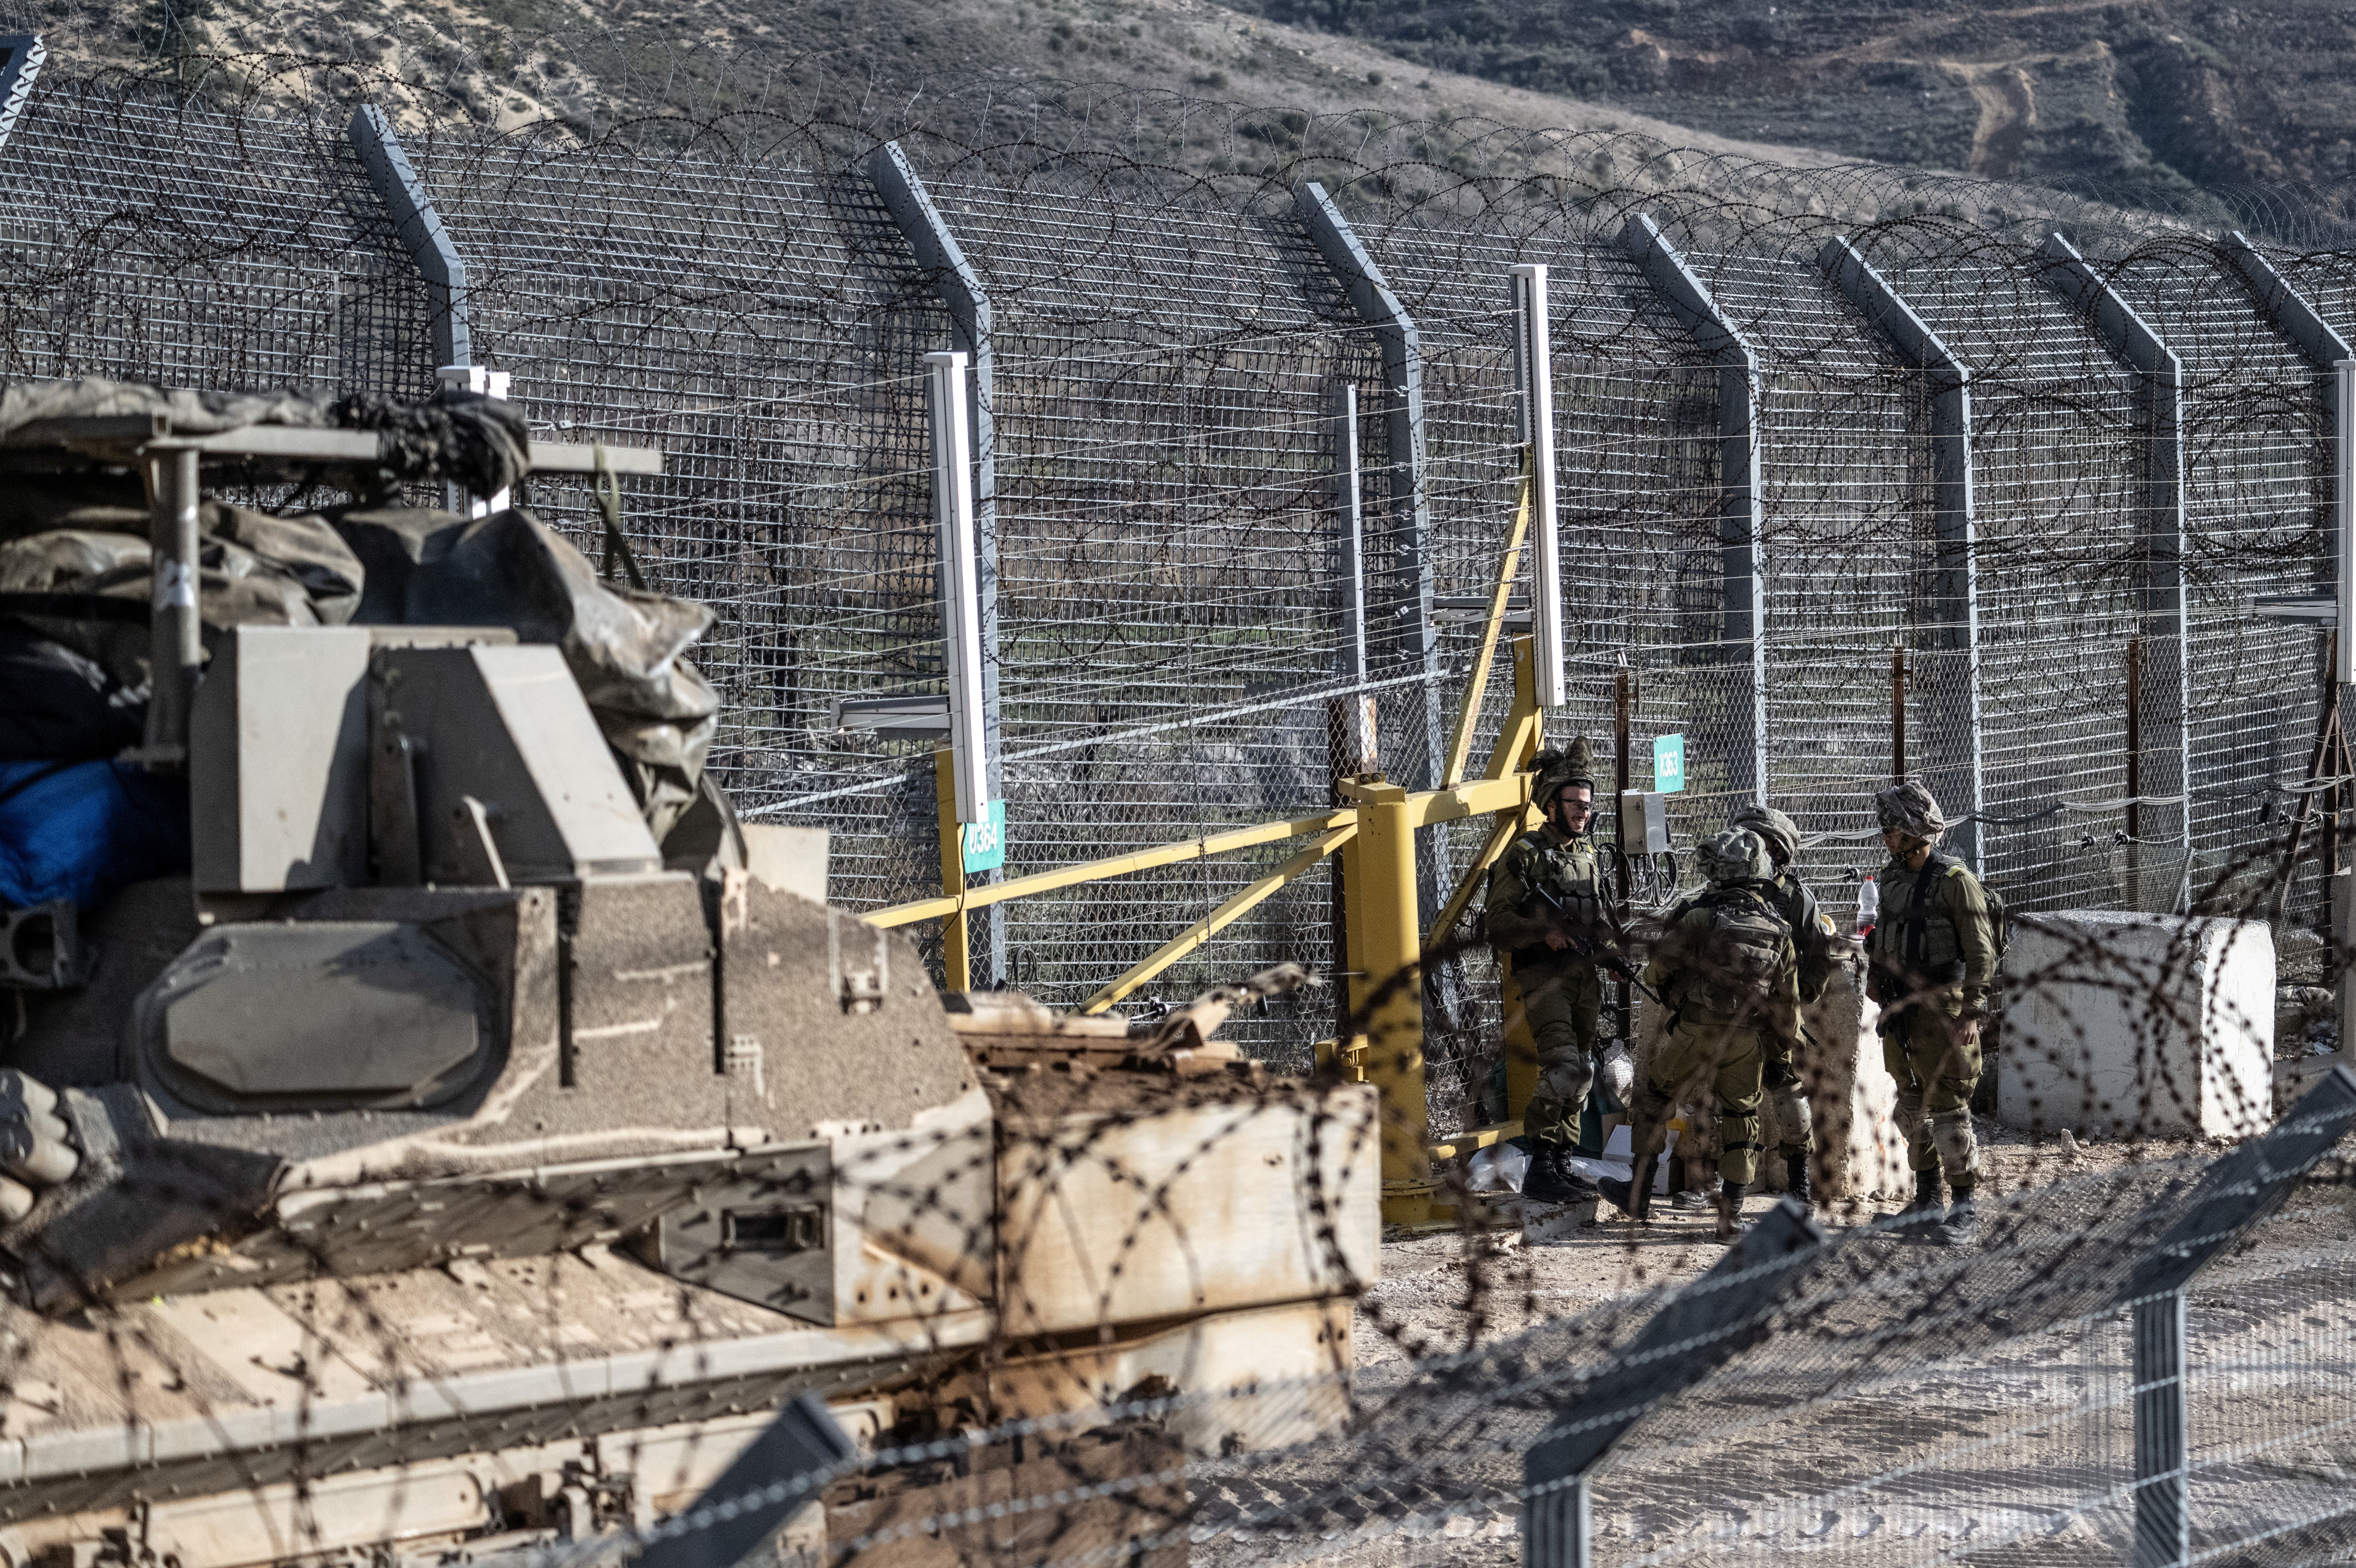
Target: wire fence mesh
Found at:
x=1168, y=351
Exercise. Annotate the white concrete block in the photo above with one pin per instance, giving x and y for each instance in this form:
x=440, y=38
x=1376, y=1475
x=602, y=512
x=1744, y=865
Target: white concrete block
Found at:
x=2137, y=1024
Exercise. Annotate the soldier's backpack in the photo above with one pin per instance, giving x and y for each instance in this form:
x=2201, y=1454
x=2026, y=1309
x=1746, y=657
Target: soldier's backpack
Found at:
x=1735, y=966
x=1999, y=917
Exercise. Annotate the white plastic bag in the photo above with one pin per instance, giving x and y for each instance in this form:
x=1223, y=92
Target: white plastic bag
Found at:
x=1498, y=1169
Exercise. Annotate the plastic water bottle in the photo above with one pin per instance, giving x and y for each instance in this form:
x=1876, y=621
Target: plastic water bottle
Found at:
x=1869, y=904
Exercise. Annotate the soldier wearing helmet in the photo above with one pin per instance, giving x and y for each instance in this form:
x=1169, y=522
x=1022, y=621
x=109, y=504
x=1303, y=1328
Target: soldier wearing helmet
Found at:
x=1546, y=880
x=1728, y=970
x=1812, y=935
x=1934, y=962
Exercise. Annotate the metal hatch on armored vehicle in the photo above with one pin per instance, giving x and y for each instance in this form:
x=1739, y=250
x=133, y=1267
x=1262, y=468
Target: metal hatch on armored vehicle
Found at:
x=434, y=1126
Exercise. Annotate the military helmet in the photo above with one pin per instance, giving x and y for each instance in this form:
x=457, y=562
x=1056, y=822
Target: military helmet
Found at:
x=1733, y=856
x=1556, y=770
x=1910, y=808
x=1777, y=831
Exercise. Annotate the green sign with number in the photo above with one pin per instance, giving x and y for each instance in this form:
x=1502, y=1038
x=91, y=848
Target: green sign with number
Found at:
x=1669, y=764
x=985, y=842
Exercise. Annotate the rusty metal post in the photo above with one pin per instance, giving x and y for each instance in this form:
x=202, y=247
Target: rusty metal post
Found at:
x=1897, y=711
x=2134, y=738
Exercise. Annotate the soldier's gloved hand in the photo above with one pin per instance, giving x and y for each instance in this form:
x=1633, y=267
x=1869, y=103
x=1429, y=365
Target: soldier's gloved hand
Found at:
x=34, y=1145
x=1780, y=1073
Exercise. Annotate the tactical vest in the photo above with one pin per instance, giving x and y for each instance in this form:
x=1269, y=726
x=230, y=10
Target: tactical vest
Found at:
x=1569, y=872
x=1733, y=969
x=1917, y=941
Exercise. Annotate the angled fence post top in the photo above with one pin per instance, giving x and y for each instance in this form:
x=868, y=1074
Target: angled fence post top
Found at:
x=2130, y=336
x=2242, y=1188
x=2285, y=305
x=937, y=250
x=1701, y=1328
x=1695, y=306
x=1370, y=292
x=419, y=227
x=21, y=57
x=1861, y=282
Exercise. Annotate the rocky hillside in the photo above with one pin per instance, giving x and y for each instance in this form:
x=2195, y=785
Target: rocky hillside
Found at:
x=2151, y=99
x=2170, y=103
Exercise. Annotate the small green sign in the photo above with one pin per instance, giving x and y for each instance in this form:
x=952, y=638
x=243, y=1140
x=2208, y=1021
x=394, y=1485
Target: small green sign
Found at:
x=1669, y=764
x=985, y=842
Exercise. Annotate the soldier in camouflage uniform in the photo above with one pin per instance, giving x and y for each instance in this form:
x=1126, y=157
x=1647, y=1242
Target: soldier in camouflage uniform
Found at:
x=1812, y=936
x=1933, y=964
x=1726, y=968
x=1543, y=892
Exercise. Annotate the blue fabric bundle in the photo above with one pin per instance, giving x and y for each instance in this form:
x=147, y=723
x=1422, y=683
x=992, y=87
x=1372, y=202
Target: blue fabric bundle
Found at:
x=80, y=830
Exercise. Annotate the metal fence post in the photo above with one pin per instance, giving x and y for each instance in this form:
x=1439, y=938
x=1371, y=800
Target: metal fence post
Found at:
x=2234, y=1195
x=2159, y=407
x=1742, y=504
x=1411, y=639
x=1696, y=1331
x=2163, y=1510
x=959, y=287
x=1954, y=585
x=1534, y=371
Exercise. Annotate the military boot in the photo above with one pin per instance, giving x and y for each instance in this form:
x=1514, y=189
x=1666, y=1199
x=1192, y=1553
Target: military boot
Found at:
x=1927, y=1210
x=1796, y=1185
x=1551, y=1178
x=1963, y=1223
x=1728, y=1203
x=1686, y=1200
x=1633, y=1197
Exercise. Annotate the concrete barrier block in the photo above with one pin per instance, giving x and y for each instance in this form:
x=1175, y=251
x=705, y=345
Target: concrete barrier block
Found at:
x=2137, y=1024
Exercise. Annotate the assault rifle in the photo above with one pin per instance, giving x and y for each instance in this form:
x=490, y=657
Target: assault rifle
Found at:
x=1600, y=948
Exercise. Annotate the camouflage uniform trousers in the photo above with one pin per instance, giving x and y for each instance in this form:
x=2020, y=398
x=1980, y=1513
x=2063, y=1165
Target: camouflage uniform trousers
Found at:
x=1936, y=1072
x=1561, y=1008
x=1713, y=1069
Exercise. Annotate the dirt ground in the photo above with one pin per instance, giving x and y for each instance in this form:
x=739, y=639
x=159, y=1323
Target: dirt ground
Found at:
x=1439, y=1291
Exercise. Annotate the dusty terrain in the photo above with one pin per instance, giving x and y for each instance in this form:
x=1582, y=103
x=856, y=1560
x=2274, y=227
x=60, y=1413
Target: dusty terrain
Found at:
x=1442, y=1292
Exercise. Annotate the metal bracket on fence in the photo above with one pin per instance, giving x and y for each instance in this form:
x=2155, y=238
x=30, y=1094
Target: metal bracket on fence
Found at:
x=1702, y=1327
x=2234, y=1195
x=21, y=55
x=740, y=1511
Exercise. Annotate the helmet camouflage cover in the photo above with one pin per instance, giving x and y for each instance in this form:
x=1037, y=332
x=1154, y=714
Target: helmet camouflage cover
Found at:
x=1910, y=808
x=1777, y=831
x=1556, y=770
x=1735, y=855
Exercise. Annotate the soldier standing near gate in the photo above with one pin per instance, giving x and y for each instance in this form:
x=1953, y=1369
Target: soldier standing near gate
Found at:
x=1545, y=916
x=1727, y=969
x=1933, y=962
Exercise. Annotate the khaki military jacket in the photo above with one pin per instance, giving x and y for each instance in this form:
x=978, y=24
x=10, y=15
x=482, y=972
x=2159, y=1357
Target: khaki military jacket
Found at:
x=1545, y=858
x=1956, y=953
x=1690, y=972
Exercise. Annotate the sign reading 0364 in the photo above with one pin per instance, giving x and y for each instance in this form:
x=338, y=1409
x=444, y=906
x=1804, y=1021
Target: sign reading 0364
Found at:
x=985, y=842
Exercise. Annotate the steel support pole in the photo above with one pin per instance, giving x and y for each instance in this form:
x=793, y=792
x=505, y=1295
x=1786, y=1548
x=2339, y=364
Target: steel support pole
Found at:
x=959, y=285
x=2327, y=350
x=1741, y=504
x=1704, y=1326
x=2167, y=727
x=1534, y=376
x=1953, y=750
x=1354, y=710
x=1408, y=639
x=176, y=622
x=422, y=232
x=21, y=58
x=960, y=580
x=956, y=950
x=2163, y=1510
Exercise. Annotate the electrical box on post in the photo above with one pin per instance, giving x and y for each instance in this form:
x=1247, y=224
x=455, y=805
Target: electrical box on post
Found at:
x=1643, y=822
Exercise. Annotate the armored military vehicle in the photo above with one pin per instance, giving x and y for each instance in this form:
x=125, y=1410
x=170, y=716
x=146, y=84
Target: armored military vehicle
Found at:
x=465, y=1133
